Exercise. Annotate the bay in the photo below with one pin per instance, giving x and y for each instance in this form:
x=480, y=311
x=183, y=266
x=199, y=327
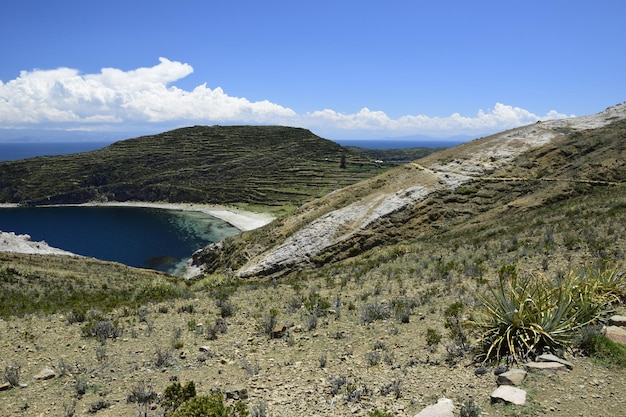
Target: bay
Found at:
x=159, y=239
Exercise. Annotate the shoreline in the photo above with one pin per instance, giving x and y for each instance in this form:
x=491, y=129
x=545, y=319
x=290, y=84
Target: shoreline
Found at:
x=241, y=219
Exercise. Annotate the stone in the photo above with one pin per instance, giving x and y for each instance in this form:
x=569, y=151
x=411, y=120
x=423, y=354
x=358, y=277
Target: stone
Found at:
x=205, y=349
x=5, y=387
x=547, y=357
x=480, y=371
x=550, y=367
x=619, y=321
x=512, y=377
x=616, y=334
x=45, y=373
x=509, y=394
x=500, y=370
x=236, y=393
x=443, y=408
x=279, y=331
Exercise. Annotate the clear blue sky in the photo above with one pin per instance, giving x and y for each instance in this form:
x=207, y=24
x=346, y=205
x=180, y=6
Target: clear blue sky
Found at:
x=344, y=69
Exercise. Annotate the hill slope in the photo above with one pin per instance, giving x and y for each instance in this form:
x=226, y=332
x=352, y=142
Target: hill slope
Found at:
x=513, y=170
x=207, y=164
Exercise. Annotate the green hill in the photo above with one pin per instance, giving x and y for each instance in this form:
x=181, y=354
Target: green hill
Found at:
x=266, y=165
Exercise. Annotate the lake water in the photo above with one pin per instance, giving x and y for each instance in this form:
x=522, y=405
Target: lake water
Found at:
x=10, y=151
x=140, y=237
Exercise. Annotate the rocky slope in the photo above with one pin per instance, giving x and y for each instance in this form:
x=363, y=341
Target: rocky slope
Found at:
x=354, y=218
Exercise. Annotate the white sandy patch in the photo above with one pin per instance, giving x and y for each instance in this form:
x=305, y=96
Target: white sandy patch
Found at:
x=10, y=242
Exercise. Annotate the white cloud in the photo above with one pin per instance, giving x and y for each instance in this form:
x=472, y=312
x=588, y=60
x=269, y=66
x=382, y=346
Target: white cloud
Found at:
x=501, y=117
x=64, y=97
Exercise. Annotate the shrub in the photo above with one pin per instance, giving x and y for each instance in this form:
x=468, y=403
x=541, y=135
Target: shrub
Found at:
x=103, y=330
x=432, y=338
x=188, y=308
x=323, y=359
x=311, y=321
x=393, y=387
x=522, y=316
x=177, y=343
x=453, y=323
x=594, y=344
x=176, y=394
x=80, y=386
x=227, y=309
x=373, y=312
x=210, y=406
x=163, y=358
x=378, y=413
x=270, y=320
x=76, y=316
x=142, y=395
x=259, y=409
x=336, y=383
x=315, y=303
x=373, y=358
x=99, y=405
x=470, y=409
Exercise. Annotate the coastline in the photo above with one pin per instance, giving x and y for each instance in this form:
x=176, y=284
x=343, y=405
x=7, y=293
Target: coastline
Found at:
x=241, y=219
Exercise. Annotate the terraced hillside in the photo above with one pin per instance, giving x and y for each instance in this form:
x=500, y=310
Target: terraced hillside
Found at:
x=209, y=164
x=477, y=182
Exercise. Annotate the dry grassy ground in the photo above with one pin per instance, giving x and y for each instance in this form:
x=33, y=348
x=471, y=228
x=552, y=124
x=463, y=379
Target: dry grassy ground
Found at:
x=387, y=360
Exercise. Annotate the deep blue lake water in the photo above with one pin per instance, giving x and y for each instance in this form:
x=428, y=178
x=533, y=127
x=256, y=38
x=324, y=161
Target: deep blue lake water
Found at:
x=10, y=151
x=140, y=237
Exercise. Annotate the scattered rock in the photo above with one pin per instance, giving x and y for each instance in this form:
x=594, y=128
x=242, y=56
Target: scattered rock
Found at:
x=46, y=373
x=443, y=408
x=480, y=371
x=545, y=366
x=278, y=331
x=547, y=357
x=500, y=370
x=512, y=377
x=205, y=349
x=619, y=321
x=5, y=387
x=616, y=334
x=236, y=393
x=509, y=394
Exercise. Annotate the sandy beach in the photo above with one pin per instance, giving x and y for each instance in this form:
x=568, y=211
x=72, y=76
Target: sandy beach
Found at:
x=241, y=219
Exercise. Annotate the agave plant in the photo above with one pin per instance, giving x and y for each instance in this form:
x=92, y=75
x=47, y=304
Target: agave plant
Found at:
x=522, y=316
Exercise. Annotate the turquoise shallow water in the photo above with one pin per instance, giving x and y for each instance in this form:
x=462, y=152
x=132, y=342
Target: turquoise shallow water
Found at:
x=140, y=237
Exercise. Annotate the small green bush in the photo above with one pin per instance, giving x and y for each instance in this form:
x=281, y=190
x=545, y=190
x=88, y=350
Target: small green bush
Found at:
x=210, y=406
x=603, y=350
x=433, y=337
x=470, y=409
x=378, y=413
x=176, y=394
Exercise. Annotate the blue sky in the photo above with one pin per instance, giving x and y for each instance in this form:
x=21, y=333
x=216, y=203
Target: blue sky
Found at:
x=344, y=69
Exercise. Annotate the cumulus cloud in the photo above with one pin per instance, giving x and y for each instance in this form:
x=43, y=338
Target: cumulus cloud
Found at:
x=65, y=98
x=501, y=117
